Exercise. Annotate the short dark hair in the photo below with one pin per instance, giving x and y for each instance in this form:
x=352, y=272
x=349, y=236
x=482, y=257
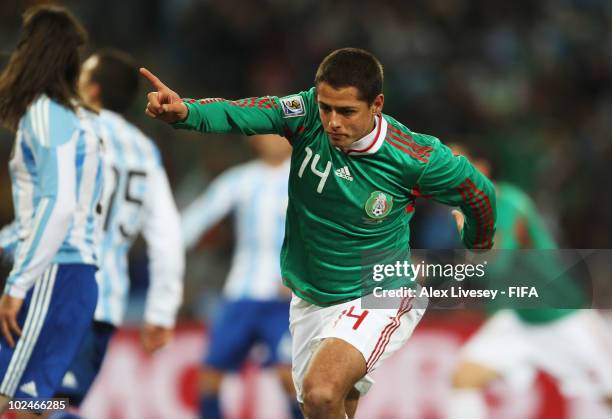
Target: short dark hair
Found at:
x=117, y=75
x=352, y=67
x=46, y=61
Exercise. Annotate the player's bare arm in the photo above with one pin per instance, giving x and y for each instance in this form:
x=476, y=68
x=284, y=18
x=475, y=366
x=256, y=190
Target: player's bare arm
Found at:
x=163, y=104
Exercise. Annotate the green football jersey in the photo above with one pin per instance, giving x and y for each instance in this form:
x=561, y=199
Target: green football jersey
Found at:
x=519, y=227
x=518, y=220
x=351, y=209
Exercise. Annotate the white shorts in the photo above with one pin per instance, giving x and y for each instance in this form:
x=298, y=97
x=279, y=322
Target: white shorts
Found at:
x=575, y=349
x=376, y=333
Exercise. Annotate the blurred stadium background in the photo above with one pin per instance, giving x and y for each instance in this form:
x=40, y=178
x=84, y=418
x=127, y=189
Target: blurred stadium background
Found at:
x=527, y=84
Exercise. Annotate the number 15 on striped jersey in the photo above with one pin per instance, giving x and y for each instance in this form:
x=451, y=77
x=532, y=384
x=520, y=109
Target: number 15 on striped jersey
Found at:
x=132, y=175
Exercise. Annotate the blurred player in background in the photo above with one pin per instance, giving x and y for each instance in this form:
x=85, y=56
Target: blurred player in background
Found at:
x=569, y=344
x=56, y=170
x=256, y=304
x=136, y=200
x=355, y=174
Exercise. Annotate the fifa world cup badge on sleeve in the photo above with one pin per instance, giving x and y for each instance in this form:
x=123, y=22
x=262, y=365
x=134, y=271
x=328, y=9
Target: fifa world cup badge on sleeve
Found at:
x=378, y=205
x=293, y=106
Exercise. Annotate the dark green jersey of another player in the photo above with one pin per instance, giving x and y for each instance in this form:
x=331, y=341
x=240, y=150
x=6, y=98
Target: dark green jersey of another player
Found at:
x=520, y=226
x=345, y=205
x=518, y=223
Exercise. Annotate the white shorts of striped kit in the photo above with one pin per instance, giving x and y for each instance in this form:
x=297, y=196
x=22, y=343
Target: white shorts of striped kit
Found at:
x=576, y=350
x=376, y=333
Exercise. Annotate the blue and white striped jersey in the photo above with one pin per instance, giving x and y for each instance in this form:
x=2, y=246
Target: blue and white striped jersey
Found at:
x=257, y=193
x=56, y=175
x=8, y=240
x=137, y=199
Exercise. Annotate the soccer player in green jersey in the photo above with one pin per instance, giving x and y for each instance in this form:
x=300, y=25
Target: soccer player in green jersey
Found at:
x=355, y=174
x=565, y=342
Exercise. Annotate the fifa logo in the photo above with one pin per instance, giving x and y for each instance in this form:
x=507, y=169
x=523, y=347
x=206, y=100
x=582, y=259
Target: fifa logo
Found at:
x=292, y=106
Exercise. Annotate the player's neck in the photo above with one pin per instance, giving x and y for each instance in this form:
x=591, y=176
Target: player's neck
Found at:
x=371, y=127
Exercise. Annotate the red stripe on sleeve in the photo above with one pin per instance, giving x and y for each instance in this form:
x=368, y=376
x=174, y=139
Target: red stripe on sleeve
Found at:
x=411, y=145
x=416, y=192
x=417, y=148
x=489, y=210
x=410, y=152
x=420, y=148
x=462, y=189
x=485, y=215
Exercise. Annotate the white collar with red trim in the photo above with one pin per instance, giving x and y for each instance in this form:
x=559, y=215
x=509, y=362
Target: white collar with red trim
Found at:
x=371, y=142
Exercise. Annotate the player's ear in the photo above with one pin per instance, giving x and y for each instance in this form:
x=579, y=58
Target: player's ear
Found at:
x=96, y=92
x=91, y=93
x=377, y=104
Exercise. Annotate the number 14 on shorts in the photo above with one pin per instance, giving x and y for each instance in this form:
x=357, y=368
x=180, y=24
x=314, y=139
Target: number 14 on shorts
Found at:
x=353, y=313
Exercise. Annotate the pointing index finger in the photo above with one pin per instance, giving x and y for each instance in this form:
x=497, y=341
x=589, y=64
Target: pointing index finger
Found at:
x=157, y=83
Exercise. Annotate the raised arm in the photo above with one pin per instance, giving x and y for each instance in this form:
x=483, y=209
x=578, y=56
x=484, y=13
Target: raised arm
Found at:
x=288, y=116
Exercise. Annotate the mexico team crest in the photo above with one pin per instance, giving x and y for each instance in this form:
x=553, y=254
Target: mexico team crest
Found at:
x=293, y=106
x=378, y=205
